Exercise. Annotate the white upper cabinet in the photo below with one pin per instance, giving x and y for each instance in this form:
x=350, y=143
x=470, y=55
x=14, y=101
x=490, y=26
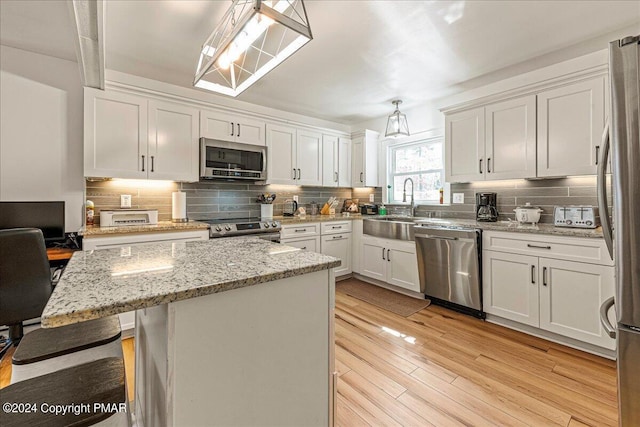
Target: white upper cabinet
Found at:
x=232, y=128
x=294, y=156
x=364, y=161
x=464, y=146
x=510, y=139
x=570, y=124
x=115, y=135
x=173, y=141
x=130, y=136
x=336, y=161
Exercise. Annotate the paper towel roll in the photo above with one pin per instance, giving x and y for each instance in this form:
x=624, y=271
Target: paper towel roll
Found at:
x=179, y=206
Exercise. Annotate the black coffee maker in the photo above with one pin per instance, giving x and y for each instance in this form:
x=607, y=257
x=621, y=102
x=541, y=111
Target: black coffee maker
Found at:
x=486, y=207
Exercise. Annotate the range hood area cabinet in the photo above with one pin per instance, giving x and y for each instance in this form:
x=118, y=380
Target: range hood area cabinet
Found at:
x=232, y=128
x=130, y=136
x=294, y=156
x=336, y=161
x=365, y=159
x=552, y=133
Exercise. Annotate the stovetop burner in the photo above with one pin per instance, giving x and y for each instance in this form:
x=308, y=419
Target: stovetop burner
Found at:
x=227, y=227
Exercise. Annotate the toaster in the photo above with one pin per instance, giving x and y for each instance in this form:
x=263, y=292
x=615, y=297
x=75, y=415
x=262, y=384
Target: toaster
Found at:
x=576, y=216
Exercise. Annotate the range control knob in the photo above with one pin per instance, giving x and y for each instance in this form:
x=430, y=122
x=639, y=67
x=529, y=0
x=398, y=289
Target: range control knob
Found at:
x=226, y=227
x=589, y=223
x=569, y=222
x=274, y=224
x=218, y=228
x=266, y=225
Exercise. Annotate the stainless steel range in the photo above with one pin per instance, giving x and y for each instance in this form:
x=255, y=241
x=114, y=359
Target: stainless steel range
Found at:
x=229, y=227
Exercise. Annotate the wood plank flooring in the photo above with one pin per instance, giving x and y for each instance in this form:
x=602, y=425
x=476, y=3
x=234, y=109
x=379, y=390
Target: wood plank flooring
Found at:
x=441, y=368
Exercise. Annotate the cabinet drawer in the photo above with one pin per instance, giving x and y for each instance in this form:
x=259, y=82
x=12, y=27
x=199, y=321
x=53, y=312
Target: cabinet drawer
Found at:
x=336, y=227
x=592, y=251
x=302, y=230
x=311, y=244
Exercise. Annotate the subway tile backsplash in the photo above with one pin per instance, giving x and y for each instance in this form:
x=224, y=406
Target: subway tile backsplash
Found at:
x=231, y=200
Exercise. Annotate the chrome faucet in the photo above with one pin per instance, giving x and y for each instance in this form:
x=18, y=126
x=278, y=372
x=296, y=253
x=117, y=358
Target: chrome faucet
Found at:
x=404, y=194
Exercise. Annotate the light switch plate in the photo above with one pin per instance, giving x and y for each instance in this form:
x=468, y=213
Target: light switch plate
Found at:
x=371, y=198
x=125, y=200
x=458, y=197
x=295, y=199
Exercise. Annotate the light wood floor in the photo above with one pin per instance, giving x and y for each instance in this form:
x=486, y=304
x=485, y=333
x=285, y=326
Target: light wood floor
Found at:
x=440, y=368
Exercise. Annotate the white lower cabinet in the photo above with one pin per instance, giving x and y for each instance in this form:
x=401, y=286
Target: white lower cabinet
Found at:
x=339, y=246
x=308, y=243
x=554, y=294
x=390, y=261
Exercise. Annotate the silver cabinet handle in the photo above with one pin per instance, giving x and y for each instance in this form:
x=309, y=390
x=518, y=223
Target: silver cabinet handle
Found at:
x=489, y=165
x=361, y=177
x=603, y=207
x=337, y=237
x=480, y=165
x=238, y=129
x=152, y=163
x=294, y=174
x=299, y=230
x=533, y=274
x=529, y=245
x=383, y=249
x=388, y=254
x=143, y=163
x=233, y=128
x=335, y=177
x=597, y=153
x=604, y=318
x=304, y=247
x=544, y=276
x=299, y=174
x=336, y=227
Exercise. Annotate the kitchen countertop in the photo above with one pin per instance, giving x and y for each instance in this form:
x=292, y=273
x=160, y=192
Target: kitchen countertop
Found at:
x=512, y=226
x=161, y=226
x=285, y=220
x=101, y=283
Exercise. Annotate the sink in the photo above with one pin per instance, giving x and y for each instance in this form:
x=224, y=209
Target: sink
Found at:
x=399, y=228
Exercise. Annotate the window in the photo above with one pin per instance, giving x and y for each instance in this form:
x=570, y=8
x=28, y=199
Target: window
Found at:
x=421, y=161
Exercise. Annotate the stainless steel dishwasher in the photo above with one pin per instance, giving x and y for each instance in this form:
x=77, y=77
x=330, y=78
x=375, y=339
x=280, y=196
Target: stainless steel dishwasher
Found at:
x=449, y=266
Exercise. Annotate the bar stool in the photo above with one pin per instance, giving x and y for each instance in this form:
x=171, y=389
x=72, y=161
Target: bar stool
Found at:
x=25, y=287
x=93, y=394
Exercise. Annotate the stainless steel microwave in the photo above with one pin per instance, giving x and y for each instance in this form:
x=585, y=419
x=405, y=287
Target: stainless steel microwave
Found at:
x=232, y=160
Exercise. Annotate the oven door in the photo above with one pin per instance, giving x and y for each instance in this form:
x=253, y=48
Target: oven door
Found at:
x=230, y=160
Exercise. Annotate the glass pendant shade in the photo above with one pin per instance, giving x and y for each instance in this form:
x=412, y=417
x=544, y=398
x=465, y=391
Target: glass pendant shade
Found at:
x=253, y=37
x=397, y=123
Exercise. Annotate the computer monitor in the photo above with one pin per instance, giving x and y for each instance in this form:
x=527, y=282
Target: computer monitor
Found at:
x=47, y=216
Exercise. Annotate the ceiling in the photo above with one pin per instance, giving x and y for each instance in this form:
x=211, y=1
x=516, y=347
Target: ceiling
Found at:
x=363, y=55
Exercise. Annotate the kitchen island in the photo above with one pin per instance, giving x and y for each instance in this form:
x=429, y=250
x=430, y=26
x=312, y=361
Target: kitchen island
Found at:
x=228, y=331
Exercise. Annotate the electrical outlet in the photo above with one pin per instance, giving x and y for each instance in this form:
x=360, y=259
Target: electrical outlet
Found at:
x=458, y=197
x=295, y=199
x=125, y=200
x=371, y=198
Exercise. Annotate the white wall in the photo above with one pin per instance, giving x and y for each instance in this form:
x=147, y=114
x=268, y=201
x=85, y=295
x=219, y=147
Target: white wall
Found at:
x=41, y=131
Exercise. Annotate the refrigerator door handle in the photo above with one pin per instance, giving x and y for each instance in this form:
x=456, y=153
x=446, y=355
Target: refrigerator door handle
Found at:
x=603, y=207
x=604, y=318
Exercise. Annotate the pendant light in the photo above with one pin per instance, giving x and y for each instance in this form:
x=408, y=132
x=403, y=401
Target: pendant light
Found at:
x=397, y=122
x=253, y=37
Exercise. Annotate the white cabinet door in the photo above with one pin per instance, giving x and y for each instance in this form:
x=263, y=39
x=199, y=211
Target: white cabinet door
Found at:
x=339, y=246
x=570, y=297
x=215, y=125
x=115, y=135
x=364, y=162
x=464, y=146
x=510, y=141
x=510, y=286
x=309, y=158
x=249, y=131
x=570, y=125
x=357, y=163
x=173, y=141
x=344, y=162
x=373, y=258
x=308, y=244
x=356, y=244
x=402, y=265
x=330, y=161
x=281, y=154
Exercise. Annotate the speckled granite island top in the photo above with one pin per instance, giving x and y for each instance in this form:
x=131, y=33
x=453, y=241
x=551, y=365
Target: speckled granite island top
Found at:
x=105, y=282
x=161, y=226
x=512, y=226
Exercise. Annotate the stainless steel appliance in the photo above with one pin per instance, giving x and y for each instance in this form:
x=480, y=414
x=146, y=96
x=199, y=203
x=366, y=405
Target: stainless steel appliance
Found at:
x=576, y=216
x=128, y=217
x=623, y=134
x=229, y=227
x=487, y=207
x=289, y=208
x=369, y=209
x=232, y=161
x=449, y=266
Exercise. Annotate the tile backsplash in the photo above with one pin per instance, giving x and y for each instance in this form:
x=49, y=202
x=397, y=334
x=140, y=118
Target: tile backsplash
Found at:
x=228, y=199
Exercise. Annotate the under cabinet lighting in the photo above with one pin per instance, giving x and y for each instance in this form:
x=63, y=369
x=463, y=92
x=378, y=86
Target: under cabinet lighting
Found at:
x=253, y=37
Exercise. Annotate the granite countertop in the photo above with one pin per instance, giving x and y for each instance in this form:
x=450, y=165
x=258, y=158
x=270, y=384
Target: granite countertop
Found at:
x=284, y=220
x=161, y=226
x=513, y=226
x=101, y=283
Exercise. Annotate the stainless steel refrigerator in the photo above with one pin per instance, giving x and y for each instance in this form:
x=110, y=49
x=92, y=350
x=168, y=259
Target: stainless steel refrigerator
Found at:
x=623, y=236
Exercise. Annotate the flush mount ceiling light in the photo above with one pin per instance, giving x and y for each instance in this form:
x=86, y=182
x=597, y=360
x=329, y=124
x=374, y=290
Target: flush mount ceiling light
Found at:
x=397, y=122
x=253, y=37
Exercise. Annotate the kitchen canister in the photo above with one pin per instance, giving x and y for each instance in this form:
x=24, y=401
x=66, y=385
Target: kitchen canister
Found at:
x=179, y=206
x=266, y=210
